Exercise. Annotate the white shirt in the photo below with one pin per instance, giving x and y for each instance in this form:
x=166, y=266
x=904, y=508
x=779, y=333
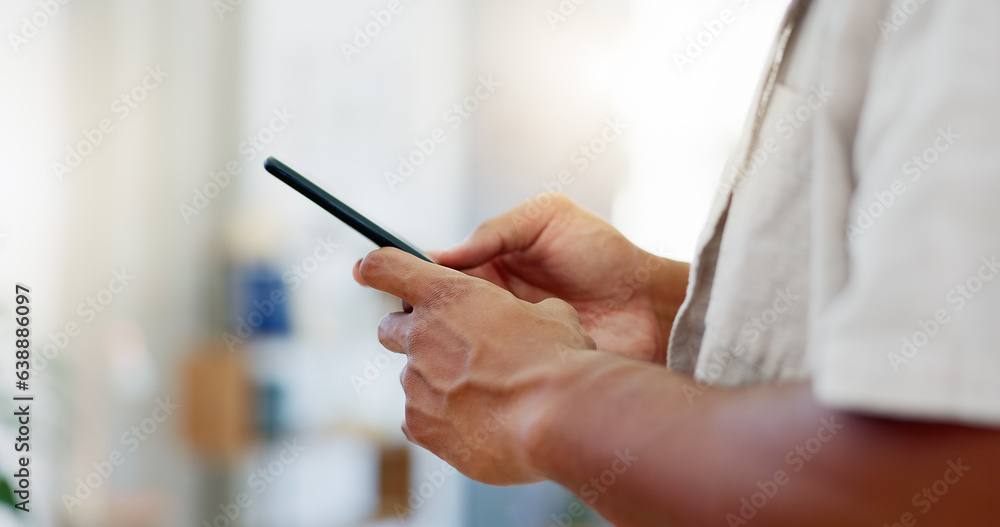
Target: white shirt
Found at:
x=855, y=236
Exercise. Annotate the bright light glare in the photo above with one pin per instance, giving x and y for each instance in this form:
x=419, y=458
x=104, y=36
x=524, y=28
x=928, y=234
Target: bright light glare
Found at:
x=684, y=124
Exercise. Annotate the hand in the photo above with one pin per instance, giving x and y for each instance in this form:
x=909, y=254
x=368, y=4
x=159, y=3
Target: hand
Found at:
x=626, y=297
x=480, y=361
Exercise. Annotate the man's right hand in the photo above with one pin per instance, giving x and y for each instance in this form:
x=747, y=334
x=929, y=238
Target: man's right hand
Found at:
x=550, y=247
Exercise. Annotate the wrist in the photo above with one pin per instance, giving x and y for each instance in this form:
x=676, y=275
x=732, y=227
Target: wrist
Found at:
x=547, y=416
x=666, y=289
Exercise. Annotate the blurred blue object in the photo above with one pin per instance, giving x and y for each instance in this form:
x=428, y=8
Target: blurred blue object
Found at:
x=263, y=302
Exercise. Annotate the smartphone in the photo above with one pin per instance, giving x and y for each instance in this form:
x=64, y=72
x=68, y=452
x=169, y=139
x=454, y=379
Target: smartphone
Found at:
x=351, y=217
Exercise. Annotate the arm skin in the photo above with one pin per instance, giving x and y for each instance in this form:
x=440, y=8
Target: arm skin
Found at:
x=696, y=462
x=505, y=382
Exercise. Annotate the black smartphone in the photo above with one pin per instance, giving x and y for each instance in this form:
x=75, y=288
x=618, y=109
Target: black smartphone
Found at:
x=351, y=217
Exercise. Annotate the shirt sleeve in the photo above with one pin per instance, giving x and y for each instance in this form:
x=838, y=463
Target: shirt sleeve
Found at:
x=915, y=331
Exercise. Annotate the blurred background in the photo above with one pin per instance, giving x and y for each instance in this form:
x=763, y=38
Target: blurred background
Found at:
x=200, y=353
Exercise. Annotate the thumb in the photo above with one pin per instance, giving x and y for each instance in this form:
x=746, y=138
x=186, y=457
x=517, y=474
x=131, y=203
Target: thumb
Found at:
x=508, y=233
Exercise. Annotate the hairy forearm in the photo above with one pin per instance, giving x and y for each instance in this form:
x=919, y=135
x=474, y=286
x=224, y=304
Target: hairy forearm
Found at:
x=624, y=437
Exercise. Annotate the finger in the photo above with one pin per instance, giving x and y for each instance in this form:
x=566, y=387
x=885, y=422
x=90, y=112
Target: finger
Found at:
x=357, y=274
x=404, y=427
x=392, y=331
x=403, y=275
x=406, y=432
x=504, y=234
x=399, y=274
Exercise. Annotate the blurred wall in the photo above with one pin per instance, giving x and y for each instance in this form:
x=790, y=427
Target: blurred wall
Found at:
x=132, y=187
x=558, y=62
x=165, y=75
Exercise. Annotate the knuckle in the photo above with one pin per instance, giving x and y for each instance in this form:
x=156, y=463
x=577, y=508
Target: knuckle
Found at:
x=581, y=338
x=418, y=338
x=406, y=379
x=445, y=292
x=569, y=318
x=559, y=306
x=486, y=226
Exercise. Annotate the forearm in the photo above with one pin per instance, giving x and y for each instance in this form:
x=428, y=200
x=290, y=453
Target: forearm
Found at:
x=624, y=437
